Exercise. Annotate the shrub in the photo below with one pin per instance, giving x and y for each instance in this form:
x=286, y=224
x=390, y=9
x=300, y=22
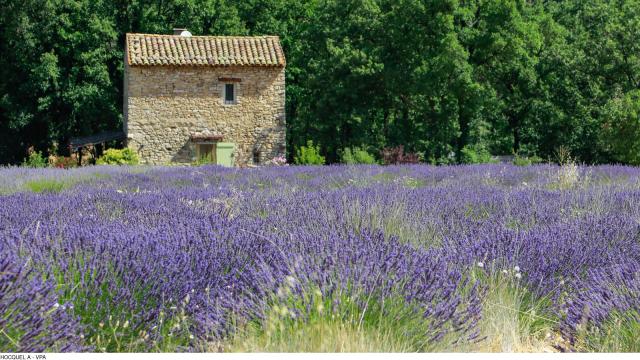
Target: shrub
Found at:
x=396, y=155
x=204, y=160
x=35, y=160
x=118, y=157
x=356, y=156
x=309, y=155
x=64, y=162
x=473, y=154
x=526, y=160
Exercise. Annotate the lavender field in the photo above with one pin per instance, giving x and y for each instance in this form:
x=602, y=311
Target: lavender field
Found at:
x=337, y=258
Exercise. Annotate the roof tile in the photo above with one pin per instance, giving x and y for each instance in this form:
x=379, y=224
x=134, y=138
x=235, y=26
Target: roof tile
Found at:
x=158, y=50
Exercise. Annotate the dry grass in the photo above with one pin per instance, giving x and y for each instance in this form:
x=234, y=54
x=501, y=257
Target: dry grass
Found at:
x=511, y=320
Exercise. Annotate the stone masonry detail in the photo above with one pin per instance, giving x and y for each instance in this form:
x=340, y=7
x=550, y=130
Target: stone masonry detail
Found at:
x=164, y=106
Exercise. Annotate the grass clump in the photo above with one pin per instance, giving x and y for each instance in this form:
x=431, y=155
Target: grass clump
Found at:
x=112, y=325
x=620, y=333
x=46, y=186
x=521, y=160
x=513, y=319
x=317, y=322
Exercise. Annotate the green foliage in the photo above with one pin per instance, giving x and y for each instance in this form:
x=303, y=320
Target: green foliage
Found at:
x=520, y=160
x=309, y=155
x=513, y=318
x=618, y=334
x=620, y=135
x=437, y=76
x=204, y=160
x=114, y=327
x=45, y=185
x=35, y=160
x=336, y=323
x=118, y=157
x=475, y=155
x=356, y=155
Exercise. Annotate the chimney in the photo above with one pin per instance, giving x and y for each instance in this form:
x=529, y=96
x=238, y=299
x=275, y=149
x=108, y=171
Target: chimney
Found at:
x=181, y=32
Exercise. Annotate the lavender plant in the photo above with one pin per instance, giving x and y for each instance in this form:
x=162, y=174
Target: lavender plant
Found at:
x=206, y=258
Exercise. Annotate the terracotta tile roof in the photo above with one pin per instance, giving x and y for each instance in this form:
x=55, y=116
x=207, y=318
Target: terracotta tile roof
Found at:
x=158, y=50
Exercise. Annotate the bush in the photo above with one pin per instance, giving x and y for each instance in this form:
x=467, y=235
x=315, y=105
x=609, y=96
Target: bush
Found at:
x=35, y=160
x=309, y=155
x=473, y=154
x=396, y=155
x=526, y=160
x=204, y=160
x=118, y=157
x=64, y=162
x=356, y=156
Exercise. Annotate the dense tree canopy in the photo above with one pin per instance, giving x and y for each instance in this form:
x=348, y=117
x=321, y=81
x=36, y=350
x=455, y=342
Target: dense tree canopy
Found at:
x=436, y=76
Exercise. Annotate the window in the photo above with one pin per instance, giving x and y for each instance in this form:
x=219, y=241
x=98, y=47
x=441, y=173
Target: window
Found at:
x=206, y=152
x=229, y=93
x=256, y=157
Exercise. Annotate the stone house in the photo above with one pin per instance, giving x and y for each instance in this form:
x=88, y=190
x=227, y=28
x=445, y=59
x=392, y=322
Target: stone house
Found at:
x=216, y=97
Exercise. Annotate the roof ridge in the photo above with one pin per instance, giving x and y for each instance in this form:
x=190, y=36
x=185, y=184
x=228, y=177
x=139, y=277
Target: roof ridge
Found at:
x=208, y=50
x=207, y=36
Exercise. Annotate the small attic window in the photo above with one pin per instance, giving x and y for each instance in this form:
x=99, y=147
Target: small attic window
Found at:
x=230, y=97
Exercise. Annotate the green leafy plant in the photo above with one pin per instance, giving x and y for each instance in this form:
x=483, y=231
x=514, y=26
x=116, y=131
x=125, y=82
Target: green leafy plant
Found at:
x=520, y=160
x=204, y=160
x=35, y=160
x=356, y=155
x=118, y=157
x=309, y=155
x=619, y=333
x=472, y=154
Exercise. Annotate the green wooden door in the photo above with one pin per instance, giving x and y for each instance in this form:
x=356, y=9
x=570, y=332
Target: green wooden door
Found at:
x=224, y=153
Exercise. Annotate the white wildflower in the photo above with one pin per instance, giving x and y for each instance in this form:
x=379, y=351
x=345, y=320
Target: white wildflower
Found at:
x=516, y=268
x=518, y=275
x=480, y=264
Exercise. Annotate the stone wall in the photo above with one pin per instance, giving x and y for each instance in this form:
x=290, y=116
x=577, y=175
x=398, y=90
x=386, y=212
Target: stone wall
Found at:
x=165, y=105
